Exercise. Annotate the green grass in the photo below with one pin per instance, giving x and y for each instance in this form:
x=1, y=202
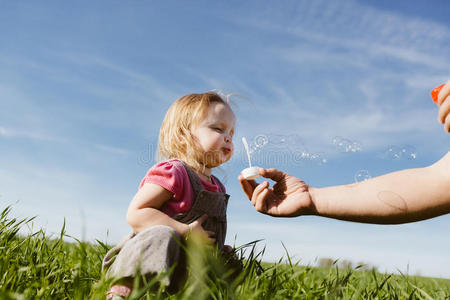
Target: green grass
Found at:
x=41, y=267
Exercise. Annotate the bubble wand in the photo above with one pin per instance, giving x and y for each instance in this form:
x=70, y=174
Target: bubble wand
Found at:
x=244, y=141
x=250, y=172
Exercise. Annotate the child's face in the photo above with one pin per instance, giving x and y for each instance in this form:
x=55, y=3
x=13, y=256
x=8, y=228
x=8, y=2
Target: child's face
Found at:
x=215, y=134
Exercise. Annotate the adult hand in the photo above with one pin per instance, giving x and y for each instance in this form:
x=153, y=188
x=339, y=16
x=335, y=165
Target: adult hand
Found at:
x=444, y=106
x=289, y=197
x=196, y=228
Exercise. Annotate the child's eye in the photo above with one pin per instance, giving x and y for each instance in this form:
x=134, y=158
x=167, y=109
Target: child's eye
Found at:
x=218, y=129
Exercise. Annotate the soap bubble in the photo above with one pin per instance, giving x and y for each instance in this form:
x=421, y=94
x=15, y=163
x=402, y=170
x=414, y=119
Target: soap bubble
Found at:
x=393, y=152
x=408, y=152
x=356, y=146
x=260, y=140
x=318, y=159
x=295, y=143
x=295, y=139
x=346, y=145
x=343, y=145
x=300, y=156
x=284, y=149
x=252, y=148
x=278, y=139
x=400, y=152
x=336, y=140
x=362, y=175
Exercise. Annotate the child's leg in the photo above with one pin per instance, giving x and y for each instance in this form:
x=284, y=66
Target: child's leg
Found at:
x=152, y=251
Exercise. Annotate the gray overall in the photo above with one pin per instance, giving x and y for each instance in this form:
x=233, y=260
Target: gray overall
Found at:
x=157, y=248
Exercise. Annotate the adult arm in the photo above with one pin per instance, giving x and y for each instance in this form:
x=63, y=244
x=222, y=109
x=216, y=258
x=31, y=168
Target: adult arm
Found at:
x=398, y=197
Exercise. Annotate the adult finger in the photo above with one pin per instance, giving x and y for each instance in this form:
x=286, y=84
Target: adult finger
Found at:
x=447, y=124
x=258, y=190
x=444, y=93
x=252, y=182
x=261, y=201
x=444, y=110
x=248, y=186
x=274, y=174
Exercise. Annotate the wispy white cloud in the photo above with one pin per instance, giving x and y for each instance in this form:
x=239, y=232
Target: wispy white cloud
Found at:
x=18, y=133
x=114, y=150
x=146, y=83
x=354, y=25
x=305, y=56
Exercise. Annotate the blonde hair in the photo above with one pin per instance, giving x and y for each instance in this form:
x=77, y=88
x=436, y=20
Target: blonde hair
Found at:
x=175, y=136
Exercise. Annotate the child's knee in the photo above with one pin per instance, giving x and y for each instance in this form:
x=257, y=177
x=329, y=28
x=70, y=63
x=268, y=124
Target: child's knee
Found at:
x=162, y=239
x=162, y=234
x=164, y=231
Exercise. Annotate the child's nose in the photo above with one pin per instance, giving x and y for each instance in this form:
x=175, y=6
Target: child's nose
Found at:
x=228, y=138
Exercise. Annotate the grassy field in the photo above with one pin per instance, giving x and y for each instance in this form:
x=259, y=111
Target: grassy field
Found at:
x=40, y=267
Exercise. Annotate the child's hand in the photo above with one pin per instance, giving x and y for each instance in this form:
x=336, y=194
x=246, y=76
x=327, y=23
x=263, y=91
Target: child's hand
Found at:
x=232, y=261
x=196, y=228
x=227, y=249
x=228, y=252
x=444, y=106
x=289, y=197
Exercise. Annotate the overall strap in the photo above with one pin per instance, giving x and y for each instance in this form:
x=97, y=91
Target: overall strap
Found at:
x=194, y=179
x=222, y=187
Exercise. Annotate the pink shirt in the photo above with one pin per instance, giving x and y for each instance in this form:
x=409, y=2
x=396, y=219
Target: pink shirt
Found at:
x=172, y=176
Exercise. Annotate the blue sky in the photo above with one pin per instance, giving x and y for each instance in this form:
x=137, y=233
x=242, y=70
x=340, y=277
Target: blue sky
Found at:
x=84, y=87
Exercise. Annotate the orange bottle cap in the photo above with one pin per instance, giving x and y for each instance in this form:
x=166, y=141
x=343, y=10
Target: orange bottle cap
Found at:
x=435, y=93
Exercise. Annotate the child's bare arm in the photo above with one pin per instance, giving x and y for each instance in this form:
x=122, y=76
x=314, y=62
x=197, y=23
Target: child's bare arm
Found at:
x=144, y=212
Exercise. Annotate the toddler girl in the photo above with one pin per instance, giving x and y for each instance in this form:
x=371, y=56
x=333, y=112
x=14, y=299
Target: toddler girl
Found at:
x=178, y=195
